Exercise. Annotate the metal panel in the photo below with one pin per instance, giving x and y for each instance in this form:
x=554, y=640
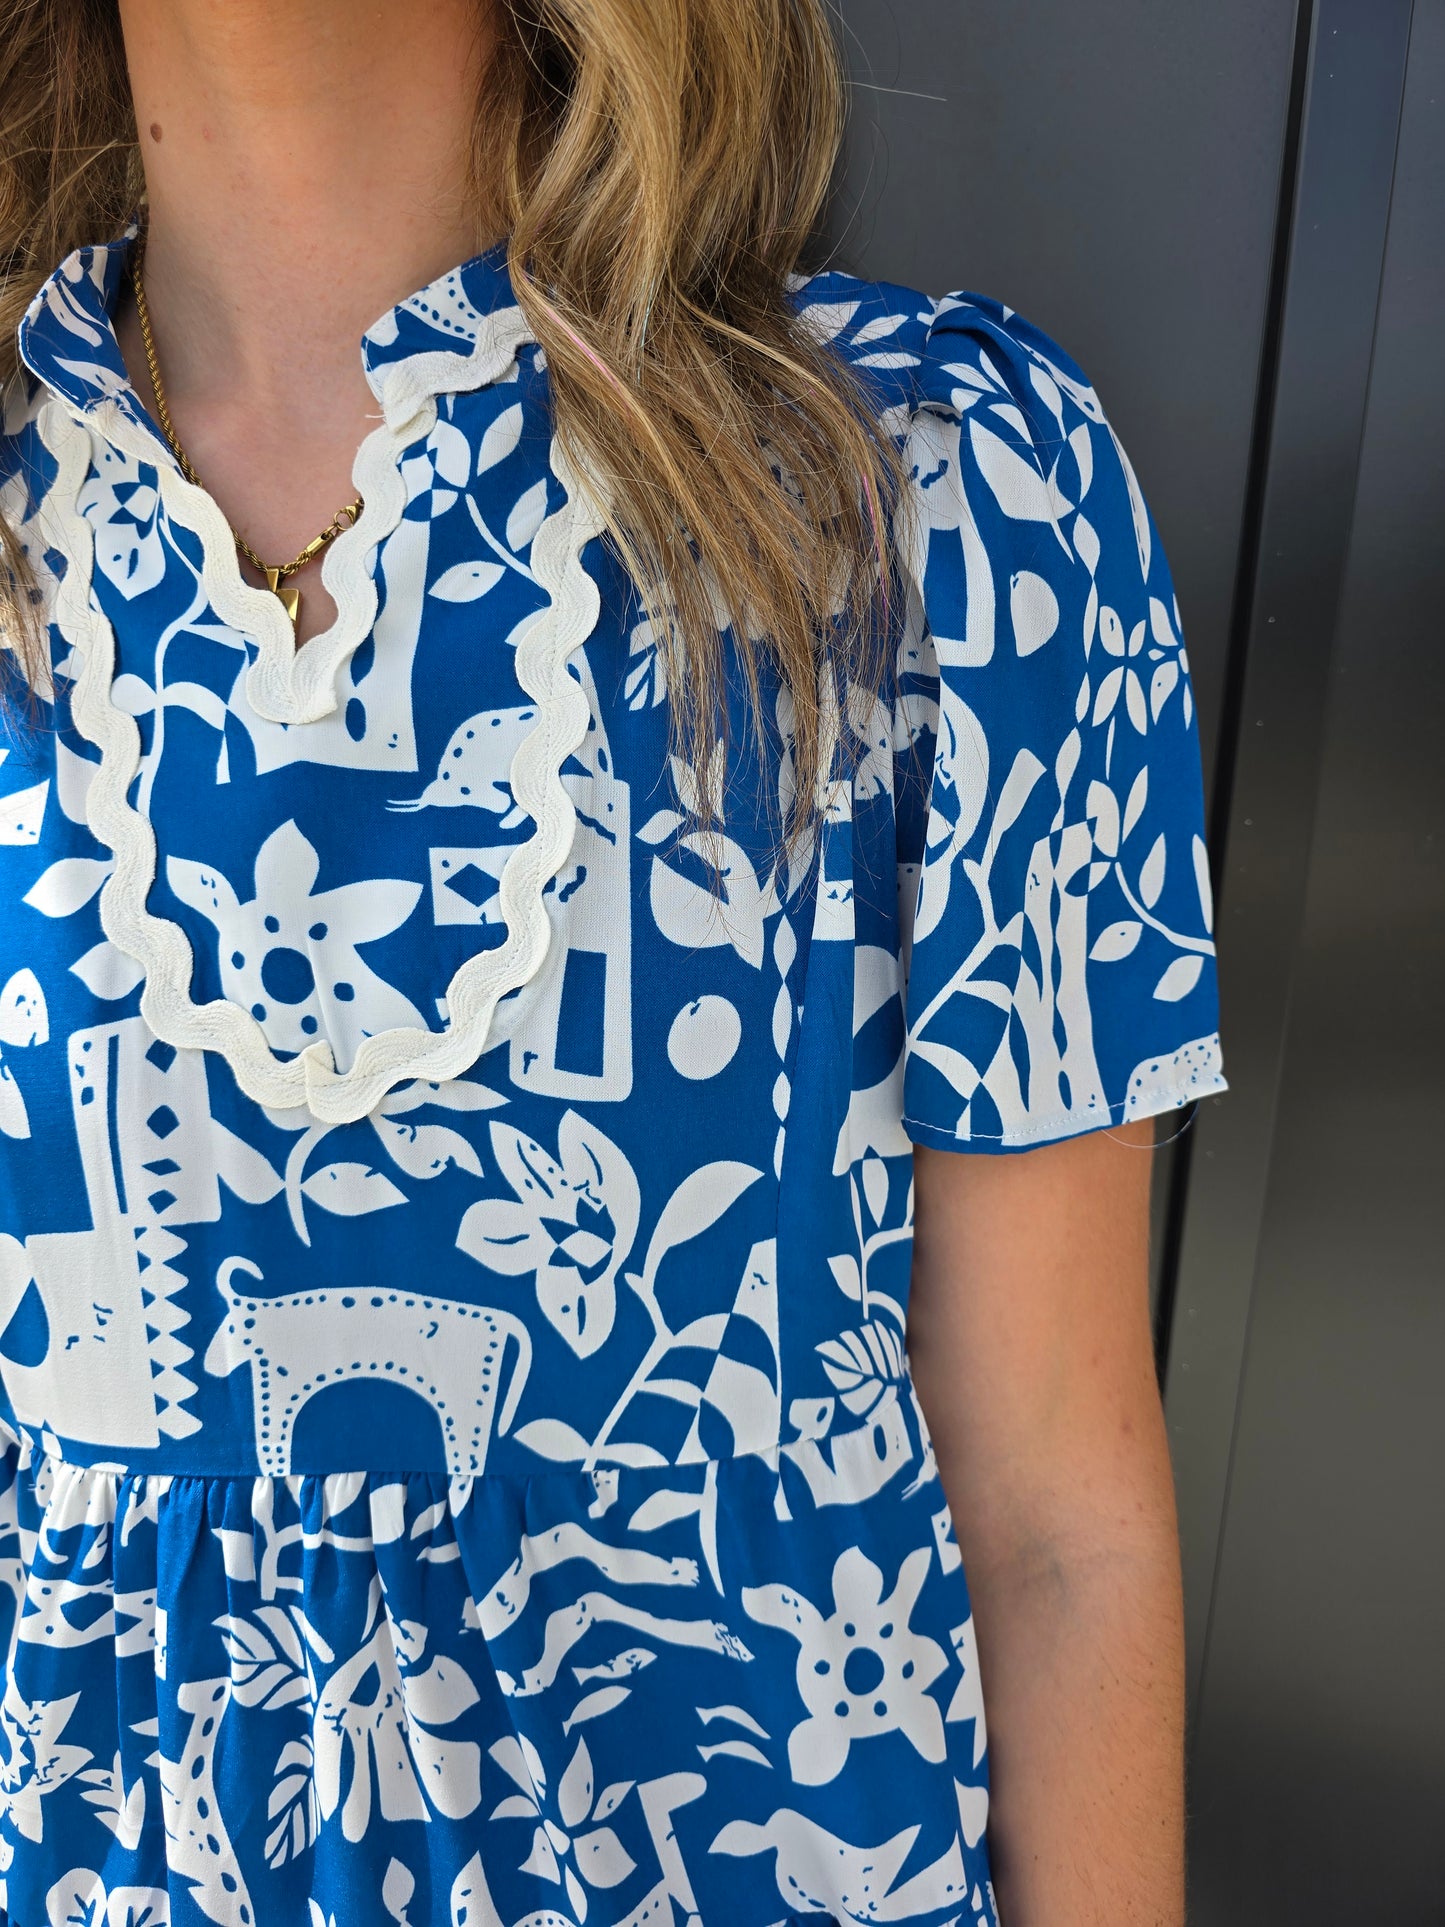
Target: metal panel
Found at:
x=1351, y=107
x=1110, y=169
x=1319, y=1760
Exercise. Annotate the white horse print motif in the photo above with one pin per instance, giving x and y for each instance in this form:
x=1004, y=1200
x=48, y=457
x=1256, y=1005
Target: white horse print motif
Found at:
x=450, y=1352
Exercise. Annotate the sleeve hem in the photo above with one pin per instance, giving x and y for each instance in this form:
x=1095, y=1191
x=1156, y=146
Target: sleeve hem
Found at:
x=1055, y=1129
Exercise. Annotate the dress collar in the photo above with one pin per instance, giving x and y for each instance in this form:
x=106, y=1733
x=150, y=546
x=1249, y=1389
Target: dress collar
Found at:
x=67, y=338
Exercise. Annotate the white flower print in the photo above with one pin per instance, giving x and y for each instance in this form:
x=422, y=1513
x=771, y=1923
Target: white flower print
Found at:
x=290, y=956
x=559, y=1852
x=861, y=1671
x=35, y=1762
x=571, y=1224
x=80, y=1898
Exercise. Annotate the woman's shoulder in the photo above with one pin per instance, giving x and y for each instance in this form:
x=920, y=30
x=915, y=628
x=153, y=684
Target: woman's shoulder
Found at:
x=948, y=352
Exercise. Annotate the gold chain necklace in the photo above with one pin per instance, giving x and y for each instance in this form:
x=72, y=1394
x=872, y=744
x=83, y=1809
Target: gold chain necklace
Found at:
x=290, y=599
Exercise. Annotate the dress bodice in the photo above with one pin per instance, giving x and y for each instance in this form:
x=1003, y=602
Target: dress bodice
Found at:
x=455, y=1191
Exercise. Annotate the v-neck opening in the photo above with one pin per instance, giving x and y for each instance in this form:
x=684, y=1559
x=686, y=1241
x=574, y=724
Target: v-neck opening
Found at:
x=462, y=331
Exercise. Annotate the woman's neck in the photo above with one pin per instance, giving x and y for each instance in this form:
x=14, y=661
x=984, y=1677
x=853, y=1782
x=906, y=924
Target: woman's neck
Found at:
x=306, y=168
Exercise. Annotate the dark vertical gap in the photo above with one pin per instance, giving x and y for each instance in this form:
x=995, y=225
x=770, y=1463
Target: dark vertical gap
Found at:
x=1241, y=612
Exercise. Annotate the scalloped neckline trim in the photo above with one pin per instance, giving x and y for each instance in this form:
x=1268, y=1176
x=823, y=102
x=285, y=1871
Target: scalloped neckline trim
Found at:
x=161, y=947
x=284, y=683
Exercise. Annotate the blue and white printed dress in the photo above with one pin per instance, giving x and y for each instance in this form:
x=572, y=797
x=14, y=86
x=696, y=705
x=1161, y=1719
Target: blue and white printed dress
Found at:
x=460, y=1458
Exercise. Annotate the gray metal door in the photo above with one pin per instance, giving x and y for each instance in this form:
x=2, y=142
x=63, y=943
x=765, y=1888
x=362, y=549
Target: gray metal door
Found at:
x=1234, y=217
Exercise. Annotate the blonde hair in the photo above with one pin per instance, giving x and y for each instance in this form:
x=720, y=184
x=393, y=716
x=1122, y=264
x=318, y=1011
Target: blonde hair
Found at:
x=658, y=167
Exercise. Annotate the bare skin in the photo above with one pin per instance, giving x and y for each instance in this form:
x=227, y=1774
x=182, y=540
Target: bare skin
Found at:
x=306, y=169
x=1031, y=1348
x=304, y=175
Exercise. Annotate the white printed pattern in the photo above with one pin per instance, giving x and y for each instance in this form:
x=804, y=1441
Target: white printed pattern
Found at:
x=673, y=1578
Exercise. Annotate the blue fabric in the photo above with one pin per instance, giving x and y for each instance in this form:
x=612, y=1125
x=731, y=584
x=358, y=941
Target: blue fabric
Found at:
x=510, y=1504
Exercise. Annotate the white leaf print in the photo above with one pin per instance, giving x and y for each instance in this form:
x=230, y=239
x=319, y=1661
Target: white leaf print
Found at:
x=893, y=358
x=697, y=1203
x=292, y=1805
x=466, y=581
x=1086, y=547
x=1161, y=628
x=1108, y=695
x=1151, y=877
x=451, y=452
x=825, y=319
x=108, y=973
x=1179, y=979
x=875, y=1186
x=880, y=326
x=1134, y=701
x=1067, y=762
x=21, y=814
x=602, y=1860
x=351, y=1190
x=24, y=1019
x=1161, y=686
x=1117, y=941
x=68, y=885
x=736, y=1750
x=1111, y=631
x=1138, y=796
x=663, y=1509
x=1202, y=883
x=737, y=1715
x=611, y=1799
x=1047, y=390
x=457, y=1095
x=397, y=1888
x=121, y=1811
x=574, y=1792
x=426, y=1150
x=696, y=917
x=1102, y=808
x=500, y=439
x=552, y=1438
x=1081, y=442
x=527, y=516
x=1018, y=488
x=660, y=825
x=471, y=1900
x=1143, y=534
x=844, y=1268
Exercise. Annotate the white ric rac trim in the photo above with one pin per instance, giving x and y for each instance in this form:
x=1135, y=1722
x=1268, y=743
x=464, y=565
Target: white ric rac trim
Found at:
x=286, y=684
x=161, y=947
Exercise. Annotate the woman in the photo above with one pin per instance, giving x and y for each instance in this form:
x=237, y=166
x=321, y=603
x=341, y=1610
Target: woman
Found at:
x=485, y=1049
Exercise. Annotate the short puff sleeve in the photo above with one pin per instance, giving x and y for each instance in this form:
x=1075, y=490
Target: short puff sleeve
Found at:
x=1061, y=974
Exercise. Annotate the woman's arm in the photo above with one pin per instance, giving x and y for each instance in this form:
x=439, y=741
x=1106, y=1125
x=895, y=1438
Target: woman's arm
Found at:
x=1031, y=1349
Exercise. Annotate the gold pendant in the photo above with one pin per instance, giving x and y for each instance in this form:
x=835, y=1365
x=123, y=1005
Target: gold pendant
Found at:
x=290, y=599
